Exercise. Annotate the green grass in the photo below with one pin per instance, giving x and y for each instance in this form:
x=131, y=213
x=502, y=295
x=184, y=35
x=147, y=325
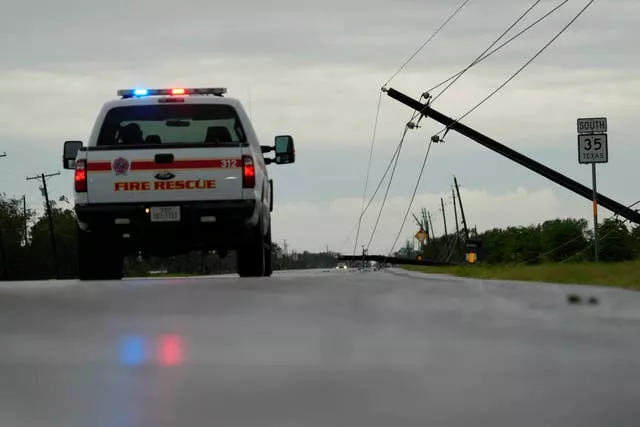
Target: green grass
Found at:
x=623, y=274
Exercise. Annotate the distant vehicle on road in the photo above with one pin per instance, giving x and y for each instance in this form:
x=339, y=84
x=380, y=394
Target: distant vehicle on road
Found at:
x=170, y=171
x=342, y=266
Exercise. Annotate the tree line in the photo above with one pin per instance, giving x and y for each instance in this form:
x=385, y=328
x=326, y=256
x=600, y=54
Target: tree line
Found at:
x=26, y=247
x=556, y=240
x=26, y=251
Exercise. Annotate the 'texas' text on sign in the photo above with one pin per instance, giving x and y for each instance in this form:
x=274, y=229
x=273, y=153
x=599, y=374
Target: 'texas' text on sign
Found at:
x=593, y=148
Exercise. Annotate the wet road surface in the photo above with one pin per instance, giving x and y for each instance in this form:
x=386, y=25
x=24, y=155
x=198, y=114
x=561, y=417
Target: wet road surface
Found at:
x=317, y=348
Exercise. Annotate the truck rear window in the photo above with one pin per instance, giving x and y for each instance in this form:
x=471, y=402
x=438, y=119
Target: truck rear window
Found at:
x=171, y=124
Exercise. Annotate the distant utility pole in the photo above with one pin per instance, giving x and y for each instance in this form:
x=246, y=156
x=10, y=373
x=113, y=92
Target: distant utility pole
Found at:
x=3, y=265
x=431, y=225
x=43, y=178
x=455, y=212
x=24, y=214
x=444, y=217
x=464, y=219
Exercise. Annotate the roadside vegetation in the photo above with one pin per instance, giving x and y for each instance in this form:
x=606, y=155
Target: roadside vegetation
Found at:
x=558, y=251
x=622, y=274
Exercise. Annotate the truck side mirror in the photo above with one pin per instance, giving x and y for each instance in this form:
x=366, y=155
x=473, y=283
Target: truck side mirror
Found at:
x=69, y=154
x=285, y=150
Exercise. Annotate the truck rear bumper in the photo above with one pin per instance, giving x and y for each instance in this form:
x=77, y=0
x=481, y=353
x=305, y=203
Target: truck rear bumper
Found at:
x=205, y=225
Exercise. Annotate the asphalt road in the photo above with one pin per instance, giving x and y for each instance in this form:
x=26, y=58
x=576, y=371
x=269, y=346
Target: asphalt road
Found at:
x=317, y=349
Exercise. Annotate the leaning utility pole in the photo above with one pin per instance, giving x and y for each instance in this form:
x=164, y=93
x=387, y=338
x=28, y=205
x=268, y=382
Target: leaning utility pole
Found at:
x=560, y=179
x=444, y=217
x=43, y=178
x=464, y=219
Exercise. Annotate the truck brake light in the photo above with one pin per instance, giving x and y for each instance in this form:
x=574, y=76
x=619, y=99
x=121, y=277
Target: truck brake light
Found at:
x=248, y=172
x=81, y=176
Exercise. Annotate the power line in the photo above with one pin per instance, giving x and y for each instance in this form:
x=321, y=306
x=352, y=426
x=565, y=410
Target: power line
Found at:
x=526, y=12
x=384, y=200
x=366, y=181
x=502, y=45
x=415, y=190
x=526, y=64
x=396, y=153
x=444, y=24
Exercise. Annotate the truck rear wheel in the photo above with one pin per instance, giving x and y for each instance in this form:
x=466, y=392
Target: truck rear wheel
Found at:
x=99, y=257
x=268, y=268
x=251, y=256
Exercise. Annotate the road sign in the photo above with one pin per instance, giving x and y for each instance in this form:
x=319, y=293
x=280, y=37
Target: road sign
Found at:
x=592, y=125
x=421, y=236
x=593, y=148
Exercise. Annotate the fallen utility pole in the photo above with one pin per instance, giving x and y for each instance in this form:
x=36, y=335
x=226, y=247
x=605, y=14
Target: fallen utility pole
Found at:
x=43, y=178
x=392, y=260
x=513, y=155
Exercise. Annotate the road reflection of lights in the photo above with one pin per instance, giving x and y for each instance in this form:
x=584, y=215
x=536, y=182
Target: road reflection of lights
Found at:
x=133, y=350
x=171, y=350
x=165, y=350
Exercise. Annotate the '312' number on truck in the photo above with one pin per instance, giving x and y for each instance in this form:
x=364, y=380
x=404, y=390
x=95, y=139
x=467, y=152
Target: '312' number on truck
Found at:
x=230, y=163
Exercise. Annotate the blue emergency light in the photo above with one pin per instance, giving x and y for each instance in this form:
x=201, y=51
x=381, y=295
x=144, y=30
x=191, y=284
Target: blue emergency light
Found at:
x=140, y=92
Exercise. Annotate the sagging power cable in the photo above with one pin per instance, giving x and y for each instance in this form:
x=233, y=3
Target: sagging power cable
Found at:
x=522, y=68
x=366, y=180
x=501, y=46
x=413, y=196
x=386, y=193
x=380, y=182
x=413, y=55
x=475, y=61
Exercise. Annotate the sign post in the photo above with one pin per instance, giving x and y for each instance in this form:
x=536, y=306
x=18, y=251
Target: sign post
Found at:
x=593, y=148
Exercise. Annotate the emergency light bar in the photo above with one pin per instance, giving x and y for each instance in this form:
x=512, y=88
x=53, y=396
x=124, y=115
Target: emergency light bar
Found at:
x=129, y=93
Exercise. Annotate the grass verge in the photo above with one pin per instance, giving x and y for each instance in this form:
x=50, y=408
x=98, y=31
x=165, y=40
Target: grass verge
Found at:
x=622, y=274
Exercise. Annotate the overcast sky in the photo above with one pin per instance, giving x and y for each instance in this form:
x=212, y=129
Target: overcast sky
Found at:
x=314, y=70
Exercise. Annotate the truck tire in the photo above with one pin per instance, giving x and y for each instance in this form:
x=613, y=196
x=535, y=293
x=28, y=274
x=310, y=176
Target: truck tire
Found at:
x=251, y=256
x=268, y=267
x=98, y=257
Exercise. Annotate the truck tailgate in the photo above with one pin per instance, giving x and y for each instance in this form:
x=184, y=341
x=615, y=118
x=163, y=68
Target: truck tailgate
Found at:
x=164, y=175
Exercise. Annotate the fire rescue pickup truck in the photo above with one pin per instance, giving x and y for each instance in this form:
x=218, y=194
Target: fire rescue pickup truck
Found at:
x=169, y=171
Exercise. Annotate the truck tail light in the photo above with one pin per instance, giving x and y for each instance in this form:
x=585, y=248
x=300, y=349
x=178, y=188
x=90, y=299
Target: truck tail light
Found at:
x=81, y=176
x=248, y=172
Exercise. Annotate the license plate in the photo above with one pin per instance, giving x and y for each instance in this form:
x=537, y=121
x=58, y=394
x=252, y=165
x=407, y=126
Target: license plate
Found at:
x=165, y=213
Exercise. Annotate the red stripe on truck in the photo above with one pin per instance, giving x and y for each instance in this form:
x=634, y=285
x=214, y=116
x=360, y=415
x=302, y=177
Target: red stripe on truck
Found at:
x=142, y=165
x=150, y=165
x=98, y=166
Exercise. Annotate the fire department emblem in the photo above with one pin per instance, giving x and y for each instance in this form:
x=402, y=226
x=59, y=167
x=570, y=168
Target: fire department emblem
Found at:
x=121, y=166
